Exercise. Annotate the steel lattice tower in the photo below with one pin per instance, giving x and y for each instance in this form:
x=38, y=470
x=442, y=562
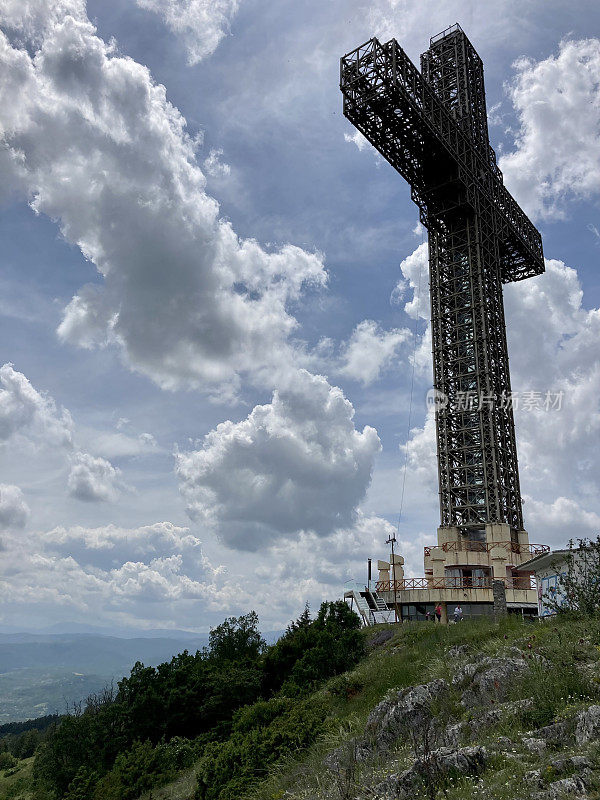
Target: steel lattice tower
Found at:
x=432, y=127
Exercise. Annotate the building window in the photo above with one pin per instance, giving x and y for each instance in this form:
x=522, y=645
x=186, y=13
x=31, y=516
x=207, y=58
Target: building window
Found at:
x=418, y=611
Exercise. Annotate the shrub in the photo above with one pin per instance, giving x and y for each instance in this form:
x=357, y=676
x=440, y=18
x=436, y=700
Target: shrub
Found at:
x=310, y=652
x=82, y=785
x=345, y=686
x=144, y=767
x=230, y=768
x=7, y=760
x=260, y=714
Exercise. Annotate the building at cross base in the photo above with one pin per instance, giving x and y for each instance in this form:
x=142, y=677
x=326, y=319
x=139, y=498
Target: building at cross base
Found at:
x=466, y=573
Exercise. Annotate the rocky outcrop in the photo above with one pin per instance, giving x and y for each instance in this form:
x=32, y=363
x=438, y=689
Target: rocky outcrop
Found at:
x=460, y=732
x=437, y=767
x=407, y=719
x=557, y=734
x=535, y=745
x=488, y=680
x=403, y=712
x=575, y=786
x=457, y=651
x=587, y=724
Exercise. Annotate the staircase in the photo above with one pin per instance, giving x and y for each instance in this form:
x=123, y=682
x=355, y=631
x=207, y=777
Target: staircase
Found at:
x=382, y=613
x=372, y=609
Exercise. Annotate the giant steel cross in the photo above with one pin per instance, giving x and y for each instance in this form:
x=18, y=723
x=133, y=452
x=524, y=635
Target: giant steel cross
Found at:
x=432, y=127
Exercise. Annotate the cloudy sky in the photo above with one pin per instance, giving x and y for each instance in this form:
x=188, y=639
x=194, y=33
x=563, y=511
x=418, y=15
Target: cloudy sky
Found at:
x=212, y=295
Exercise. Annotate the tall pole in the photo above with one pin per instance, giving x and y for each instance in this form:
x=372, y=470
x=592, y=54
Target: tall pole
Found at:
x=392, y=541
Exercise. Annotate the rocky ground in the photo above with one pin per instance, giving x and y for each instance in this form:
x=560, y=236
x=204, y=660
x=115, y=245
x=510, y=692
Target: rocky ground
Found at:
x=517, y=718
x=451, y=730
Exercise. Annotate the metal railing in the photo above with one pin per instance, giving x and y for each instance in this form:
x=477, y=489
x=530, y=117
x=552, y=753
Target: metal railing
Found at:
x=486, y=547
x=450, y=582
x=444, y=33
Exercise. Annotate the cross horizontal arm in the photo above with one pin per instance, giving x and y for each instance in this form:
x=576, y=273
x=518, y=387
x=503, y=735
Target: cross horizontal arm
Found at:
x=395, y=108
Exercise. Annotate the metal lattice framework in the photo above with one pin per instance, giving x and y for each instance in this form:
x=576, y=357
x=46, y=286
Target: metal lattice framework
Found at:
x=432, y=128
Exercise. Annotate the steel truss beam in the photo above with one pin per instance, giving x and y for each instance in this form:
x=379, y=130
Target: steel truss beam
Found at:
x=432, y=127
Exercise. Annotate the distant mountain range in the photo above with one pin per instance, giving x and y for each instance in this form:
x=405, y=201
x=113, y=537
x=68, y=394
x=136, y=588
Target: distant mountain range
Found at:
x=45, y=672
x=119, y=632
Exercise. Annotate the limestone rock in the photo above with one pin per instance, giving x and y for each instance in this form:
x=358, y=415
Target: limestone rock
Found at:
x=503, y=743
x=457, y=651
x=533, y=778
x=488, y=680
x=401, y=714
x=556, y=734
x=575, y=787
x=406, y=711
x=569, y=763
x=465, y=674
x=587, y=725
x=535, y=745
x=438, y=765
x=455, y=733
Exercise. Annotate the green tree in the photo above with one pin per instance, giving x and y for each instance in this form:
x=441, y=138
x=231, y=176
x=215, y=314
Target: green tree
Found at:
x=88, y=738
x=7, y=760
x=82, y=785
x=236, y=639
x=310, y=652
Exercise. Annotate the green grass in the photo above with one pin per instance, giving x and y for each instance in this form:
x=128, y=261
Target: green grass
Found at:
x=16, y=783
x=182, y=788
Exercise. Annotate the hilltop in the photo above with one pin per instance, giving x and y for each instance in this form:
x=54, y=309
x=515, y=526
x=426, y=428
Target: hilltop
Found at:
x=506, y=711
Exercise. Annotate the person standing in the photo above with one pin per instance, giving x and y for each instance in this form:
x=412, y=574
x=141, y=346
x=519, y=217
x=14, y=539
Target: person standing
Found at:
x=438, y=612
x=458, y=614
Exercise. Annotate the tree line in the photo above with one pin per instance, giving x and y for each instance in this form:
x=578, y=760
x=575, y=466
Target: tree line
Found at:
x=234, y=707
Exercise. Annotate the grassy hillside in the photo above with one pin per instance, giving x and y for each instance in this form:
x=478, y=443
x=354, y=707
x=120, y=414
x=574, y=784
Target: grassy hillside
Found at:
x=504, y=711
x=16, y=782
x=559, y=683
x=562, y=678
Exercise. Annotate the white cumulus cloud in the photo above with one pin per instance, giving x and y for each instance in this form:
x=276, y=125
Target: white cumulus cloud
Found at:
x=557, y=153
x=561, y=520
x=155, y=574
x=93, y=479
x=94, y=144
x=14, y=511
x=24, y=410
x=296, y=463
x=412, y=292
x=200, y=24
x=109, y=546
x=358, y=139
x=370, y=350
x=214, y=166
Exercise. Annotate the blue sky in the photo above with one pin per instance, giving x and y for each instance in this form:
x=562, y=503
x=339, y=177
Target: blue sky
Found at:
x=209, y=301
